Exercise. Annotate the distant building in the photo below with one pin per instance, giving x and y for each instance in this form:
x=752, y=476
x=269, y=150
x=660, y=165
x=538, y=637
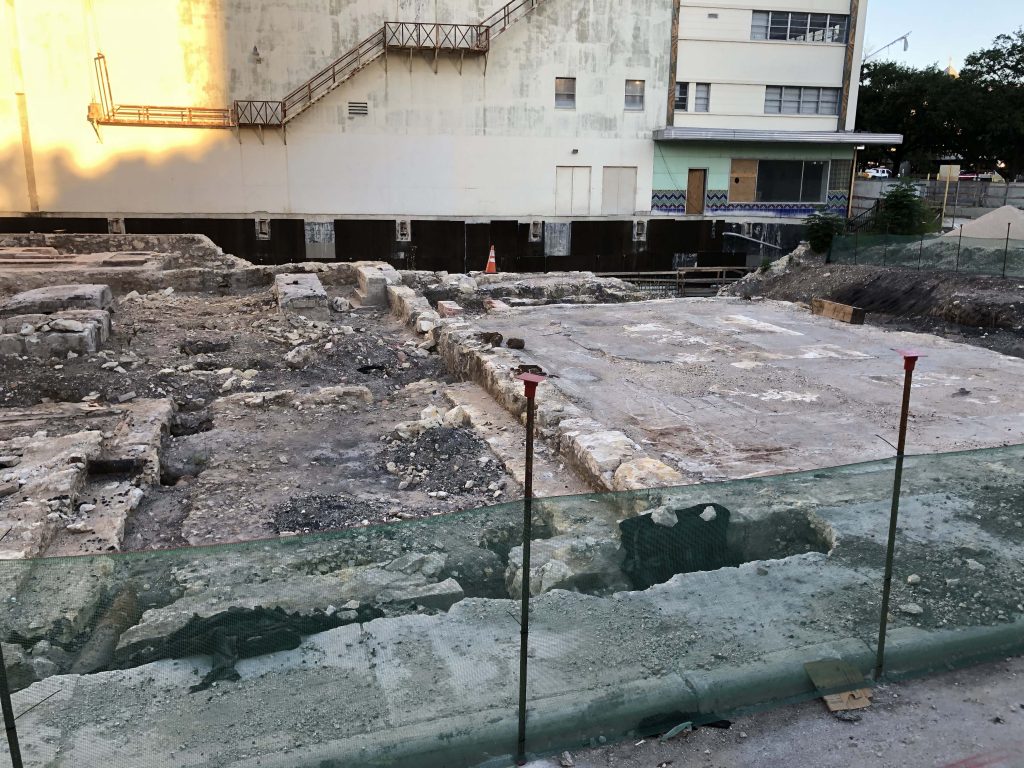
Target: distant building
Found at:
x=606, y=134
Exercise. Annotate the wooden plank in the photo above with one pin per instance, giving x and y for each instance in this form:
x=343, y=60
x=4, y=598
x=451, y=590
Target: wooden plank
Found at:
x=841, y=684
x=842, y=312
x=743, y=181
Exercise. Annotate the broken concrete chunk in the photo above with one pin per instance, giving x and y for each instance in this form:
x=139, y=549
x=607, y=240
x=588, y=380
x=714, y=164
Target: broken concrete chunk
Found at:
x=664, y=516
x=20, y=672
x=339, y=394
x=458, y=417
x=301, y=356
x=645, y=473
x=440, y=596
x=339, y=304
x=61, y=325
x=449, y=309
x=54, y=298
x=516, y=343
x=301, y=294
x=581, y=563
x=708, y=514
x=496, y=305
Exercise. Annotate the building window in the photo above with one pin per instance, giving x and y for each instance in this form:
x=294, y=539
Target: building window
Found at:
x=634, y=95
x=794, y=100
x=800, y=27
x=702, y=98
x=565, y=93
x=792, y=181
x=682, y=93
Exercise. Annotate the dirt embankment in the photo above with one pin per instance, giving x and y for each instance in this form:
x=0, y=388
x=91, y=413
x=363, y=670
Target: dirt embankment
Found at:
x=974, y=309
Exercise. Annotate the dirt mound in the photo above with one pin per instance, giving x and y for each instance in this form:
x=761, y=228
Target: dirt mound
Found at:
x=994, y=224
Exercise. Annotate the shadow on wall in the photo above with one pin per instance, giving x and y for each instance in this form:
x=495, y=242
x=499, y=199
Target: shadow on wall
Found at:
x=234, y=234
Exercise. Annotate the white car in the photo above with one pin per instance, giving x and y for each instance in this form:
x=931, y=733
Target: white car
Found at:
x=878, y=173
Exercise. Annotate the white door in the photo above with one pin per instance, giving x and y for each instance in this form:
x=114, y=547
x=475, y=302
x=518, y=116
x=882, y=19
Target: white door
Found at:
x=572, y=190
x=618, y=196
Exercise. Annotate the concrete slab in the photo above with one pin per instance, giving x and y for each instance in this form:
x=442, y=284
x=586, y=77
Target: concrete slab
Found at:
x=725, y=388
x=54, y=298
x=301, y=294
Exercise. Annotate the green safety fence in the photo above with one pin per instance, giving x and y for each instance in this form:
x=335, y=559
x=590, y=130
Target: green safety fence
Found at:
x=398, y=645
x=982, y=256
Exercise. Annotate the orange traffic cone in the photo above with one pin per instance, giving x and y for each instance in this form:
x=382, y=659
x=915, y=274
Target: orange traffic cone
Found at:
x=492, y=264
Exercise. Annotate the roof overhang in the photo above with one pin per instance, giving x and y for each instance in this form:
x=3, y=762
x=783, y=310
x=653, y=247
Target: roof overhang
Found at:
x=675, y=133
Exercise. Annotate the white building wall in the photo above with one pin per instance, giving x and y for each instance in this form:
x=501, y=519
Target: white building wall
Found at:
x=719, y=51
x=444, y=144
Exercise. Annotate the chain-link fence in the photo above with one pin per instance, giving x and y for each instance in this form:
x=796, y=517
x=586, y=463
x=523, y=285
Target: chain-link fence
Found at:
x=398, y=645
x=1003, y=257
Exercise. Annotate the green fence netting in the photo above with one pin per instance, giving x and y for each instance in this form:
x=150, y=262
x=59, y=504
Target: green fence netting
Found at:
x=398, y=645
x=982, y=256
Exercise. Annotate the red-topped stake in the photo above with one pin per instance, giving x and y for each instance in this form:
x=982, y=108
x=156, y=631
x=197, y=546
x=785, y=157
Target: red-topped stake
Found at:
x=530, y=382
x=910, y=358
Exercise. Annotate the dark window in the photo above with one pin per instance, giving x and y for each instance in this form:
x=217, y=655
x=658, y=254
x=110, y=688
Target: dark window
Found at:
x=682, y=94
x=794, y=100
x=800, y=27
x=634, y=95
x=759, y=26
x=791, y=181
x=702, y=98
x=565, y=92
x=779, y=27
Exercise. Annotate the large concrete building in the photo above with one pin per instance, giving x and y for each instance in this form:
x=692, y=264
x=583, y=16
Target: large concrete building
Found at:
x=609, y=133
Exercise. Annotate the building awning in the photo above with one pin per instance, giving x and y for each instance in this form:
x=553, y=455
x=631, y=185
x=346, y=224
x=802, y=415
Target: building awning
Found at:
x=676, y=133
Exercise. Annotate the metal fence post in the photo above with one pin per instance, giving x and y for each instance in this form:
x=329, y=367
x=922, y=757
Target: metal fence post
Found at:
x=8, y=710
x=530, y=382
x=909, y=361
x=959, y=241
x=1006, y=248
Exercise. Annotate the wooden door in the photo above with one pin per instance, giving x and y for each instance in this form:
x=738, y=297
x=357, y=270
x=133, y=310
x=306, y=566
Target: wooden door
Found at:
x=696, y=186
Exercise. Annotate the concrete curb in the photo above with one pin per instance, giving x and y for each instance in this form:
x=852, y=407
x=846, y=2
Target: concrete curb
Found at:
x=487, y=739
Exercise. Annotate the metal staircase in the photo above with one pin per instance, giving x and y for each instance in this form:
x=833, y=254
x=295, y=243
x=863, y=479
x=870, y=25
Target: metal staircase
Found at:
x=393, y=37
x=107, y=112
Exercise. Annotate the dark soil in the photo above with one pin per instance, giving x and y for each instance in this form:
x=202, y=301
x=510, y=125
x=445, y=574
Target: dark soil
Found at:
x=173, y=346
x=973, y=309
x=324, y=513
x=950, y=590
x=441, y=460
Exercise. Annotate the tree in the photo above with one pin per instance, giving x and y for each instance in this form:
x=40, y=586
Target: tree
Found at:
x=918, y=103
x=902, y=212
x=995, y=77
x=978, y=117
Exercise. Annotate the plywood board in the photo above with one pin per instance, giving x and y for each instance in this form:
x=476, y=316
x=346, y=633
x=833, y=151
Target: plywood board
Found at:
x=743, y=181
x=842, y=312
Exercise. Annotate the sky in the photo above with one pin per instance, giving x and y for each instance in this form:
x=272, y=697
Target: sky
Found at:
x=940, y=28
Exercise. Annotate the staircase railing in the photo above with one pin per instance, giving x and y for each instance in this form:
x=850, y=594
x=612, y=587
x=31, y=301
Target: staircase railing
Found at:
x=108, y=112
x=459, y=38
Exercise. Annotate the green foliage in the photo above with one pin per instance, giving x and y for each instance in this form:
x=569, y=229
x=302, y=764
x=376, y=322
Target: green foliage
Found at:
x=821, y=228
x=902, y=212
x=766, y=264
x=978, y=117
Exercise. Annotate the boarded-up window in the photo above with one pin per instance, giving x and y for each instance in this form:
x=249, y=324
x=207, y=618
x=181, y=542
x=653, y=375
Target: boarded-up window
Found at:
x=618, y=194
x=743, y=181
